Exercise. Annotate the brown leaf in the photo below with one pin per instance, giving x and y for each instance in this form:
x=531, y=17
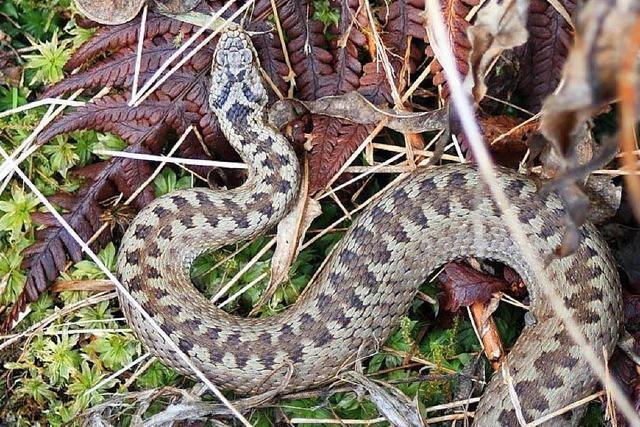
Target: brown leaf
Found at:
x=332, y=143
x=354, y=107
x=308, y=50
x=507, y=140
x=499, y=25
x=591, y=70
x=463, y=286
x=344, y=47
x=454, y=13
x=542, y=58
x=401, y=22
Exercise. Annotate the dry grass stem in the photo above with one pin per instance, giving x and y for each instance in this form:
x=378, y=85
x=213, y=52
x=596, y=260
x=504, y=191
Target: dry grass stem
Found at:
x=424, y=153
x=136, y=70
x=357, y=151
x=516, y=128
x=627, y=86
x=41, y=103
x=141, y=370
x=38, y=326
x=337, y=421
x=24, y=150
x=364, y=171
x=244, y=289
x=223, y=290
x=381, y=55
x=291, y=77
x=82, y=285
x=514, y=106
x=566, y=409
x=173, y=160
x=116, y=374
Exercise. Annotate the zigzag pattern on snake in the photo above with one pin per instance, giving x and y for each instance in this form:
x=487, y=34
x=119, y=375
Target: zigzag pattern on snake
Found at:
x=435, y=215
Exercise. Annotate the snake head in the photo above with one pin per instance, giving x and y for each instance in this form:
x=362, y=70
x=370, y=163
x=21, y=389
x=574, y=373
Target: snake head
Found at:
x=234, y=71
x=234, y=54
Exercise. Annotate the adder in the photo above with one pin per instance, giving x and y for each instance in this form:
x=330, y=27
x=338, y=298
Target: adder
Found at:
x=435, y=215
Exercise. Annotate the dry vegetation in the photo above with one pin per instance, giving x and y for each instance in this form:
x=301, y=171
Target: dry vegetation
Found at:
x=101, y=121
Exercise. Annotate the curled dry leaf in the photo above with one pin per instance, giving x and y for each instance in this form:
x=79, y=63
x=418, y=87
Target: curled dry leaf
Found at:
x=500, y=25
x=356, y=108
x=464, y=286
x=590, y=79
x=488, y=331
x=110, y=12
x=590, y=73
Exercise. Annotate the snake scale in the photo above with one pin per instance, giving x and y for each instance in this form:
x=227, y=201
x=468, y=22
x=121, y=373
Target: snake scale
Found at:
x=435, y=215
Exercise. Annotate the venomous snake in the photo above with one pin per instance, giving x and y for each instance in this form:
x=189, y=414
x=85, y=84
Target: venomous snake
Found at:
x=436, y=215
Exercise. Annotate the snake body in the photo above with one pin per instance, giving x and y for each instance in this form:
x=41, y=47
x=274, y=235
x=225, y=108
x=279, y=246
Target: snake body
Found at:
x=436, y=215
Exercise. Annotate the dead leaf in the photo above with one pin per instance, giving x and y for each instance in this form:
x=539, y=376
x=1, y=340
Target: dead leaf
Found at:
x=591, y=70
x=583, y=147
x=174, y=7
x=464, y=286
x=394, y=405
x=507, y=137
x=499, y=25
x=356, y=108
x=110, y=12
x=488, y=331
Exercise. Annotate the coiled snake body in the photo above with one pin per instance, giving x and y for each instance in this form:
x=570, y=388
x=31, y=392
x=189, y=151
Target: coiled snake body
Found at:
x=436, y=215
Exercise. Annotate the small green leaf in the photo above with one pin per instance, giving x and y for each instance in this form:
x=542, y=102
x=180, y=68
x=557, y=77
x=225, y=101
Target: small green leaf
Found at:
x=115, y=350
x=17, y=212
x=49, y=61
x=323, y=12
x=62, y=155
x=83, y=381
x=108, y=256
x=165, y=182
x=157, y=376
x=109, y=142
x=62, y=359
x=36, y=389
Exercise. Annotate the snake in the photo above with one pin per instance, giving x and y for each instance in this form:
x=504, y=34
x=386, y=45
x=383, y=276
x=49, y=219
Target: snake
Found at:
x=356, y=300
